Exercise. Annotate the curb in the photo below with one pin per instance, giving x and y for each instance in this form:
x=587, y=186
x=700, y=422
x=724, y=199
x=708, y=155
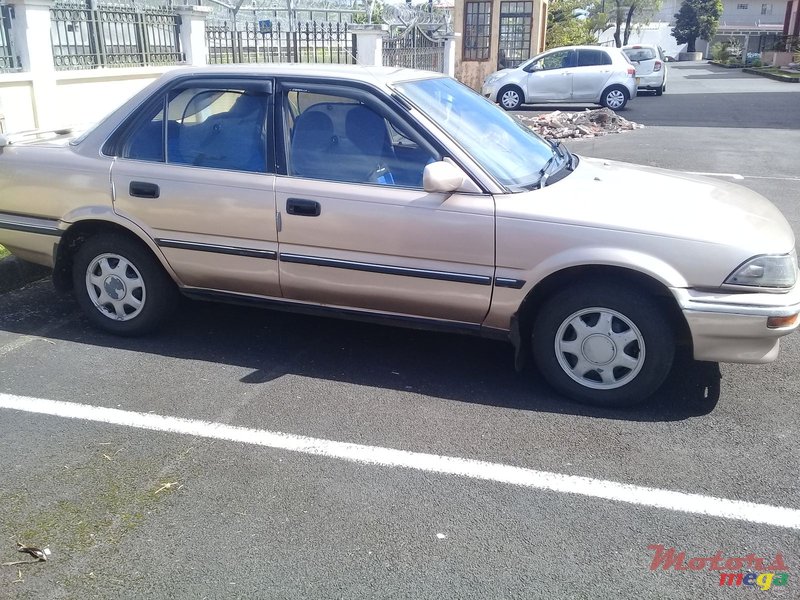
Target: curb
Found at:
x=773, y=76
x=14, y=273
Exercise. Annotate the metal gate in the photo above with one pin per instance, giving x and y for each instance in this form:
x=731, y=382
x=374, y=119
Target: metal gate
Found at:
x=414, y=48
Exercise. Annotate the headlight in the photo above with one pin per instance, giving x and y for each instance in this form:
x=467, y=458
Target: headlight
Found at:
x=766, y=271
x=495, y=77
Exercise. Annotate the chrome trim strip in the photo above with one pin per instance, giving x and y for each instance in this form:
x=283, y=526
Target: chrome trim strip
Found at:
x=386, y=269
x=508, y=282
x=53, y=230
x=217, y=248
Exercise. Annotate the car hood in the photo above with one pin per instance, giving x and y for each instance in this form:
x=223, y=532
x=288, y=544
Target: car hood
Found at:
x=652, y=201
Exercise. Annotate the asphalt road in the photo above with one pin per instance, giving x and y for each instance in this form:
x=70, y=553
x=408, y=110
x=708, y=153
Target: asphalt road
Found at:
x=131, y=513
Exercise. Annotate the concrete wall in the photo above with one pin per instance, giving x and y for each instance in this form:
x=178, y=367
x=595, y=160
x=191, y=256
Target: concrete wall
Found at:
x=76, y=98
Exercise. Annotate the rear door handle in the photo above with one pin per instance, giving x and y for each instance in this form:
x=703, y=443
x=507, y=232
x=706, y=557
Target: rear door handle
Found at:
x=143, y=189
x=303, y=208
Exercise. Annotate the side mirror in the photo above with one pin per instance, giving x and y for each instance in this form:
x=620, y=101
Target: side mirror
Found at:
x=536, y=67
x=442, y=177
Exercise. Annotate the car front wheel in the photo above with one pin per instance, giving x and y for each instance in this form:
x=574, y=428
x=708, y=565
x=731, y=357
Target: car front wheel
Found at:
x=510, y=98
x=121, y=286
x=603, y=345
x=615, y=97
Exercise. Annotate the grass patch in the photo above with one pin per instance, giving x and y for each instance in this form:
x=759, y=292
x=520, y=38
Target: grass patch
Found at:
x=4, y=252
x=775, y=71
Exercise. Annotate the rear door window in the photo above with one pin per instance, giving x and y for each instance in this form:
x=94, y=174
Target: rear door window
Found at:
x=593, y=58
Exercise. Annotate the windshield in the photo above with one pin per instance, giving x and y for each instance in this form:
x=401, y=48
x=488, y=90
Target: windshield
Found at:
x=509, y=151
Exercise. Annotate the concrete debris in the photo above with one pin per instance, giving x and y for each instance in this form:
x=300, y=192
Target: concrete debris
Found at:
x=560, y=125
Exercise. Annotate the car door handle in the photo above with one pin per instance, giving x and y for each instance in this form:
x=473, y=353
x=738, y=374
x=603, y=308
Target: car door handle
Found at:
x=143, y=189
x=303, y=208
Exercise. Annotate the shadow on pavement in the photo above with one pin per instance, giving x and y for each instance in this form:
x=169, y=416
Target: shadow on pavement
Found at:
x=274, y=344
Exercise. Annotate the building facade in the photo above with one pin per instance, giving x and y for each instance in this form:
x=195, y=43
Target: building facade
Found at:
x=495, y=34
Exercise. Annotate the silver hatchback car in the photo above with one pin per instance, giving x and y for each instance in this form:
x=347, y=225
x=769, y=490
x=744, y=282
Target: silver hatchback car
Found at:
x=651, y=67
x=580, y=74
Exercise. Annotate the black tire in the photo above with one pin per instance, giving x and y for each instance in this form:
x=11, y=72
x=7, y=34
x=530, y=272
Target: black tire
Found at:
x=510, y=97
x=615, y=97
x=661, y=90
x=141, y=278
x=649, y=344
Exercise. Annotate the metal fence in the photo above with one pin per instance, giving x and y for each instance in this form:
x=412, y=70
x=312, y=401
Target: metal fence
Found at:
x=415, y=49
x=9, y=62
x=113, y=36
x=266, y=42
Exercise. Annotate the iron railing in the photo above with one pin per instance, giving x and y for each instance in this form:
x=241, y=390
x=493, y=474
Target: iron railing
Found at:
x=113, y=36
x=9, y=61
x=266, y=43
x=414, y=49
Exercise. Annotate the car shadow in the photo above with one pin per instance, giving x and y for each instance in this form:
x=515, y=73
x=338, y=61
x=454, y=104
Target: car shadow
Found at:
x=272, y=344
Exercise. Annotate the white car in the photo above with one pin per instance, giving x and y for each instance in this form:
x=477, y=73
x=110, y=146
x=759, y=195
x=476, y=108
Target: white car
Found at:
x=580, y=74
x=651, y=67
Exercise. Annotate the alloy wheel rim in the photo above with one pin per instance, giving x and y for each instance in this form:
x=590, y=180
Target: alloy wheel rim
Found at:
x=615, y=98
x=115, y=287
x=600, y=348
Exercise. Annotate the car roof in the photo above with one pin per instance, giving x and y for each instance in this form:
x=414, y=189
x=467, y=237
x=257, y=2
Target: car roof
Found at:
x=379, y=75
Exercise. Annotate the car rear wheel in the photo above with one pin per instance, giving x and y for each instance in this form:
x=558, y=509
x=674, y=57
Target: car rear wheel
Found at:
x=661, y=90
x=121, y=286
x=615, y=97
x=510, y=97
x=603, y=344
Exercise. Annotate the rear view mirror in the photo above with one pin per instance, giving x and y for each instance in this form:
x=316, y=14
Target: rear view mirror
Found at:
x=442, y=177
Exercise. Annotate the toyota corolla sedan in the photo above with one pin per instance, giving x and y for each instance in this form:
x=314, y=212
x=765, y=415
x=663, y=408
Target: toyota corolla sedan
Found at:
x=401, y=197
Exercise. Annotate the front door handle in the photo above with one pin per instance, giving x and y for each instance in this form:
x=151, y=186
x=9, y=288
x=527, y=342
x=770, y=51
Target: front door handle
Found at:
x=143, y=189
x=303, y=208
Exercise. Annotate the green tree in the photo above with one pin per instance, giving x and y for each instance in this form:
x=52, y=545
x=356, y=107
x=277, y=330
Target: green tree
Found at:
x=624, y=12
x=565, y=28
x=696, y=19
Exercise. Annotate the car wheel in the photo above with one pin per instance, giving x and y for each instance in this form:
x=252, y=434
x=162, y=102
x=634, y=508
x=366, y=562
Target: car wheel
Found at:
x=510, y=97
x=121, y=286
x=615, y=97
x=603, y=345
x=661, y=90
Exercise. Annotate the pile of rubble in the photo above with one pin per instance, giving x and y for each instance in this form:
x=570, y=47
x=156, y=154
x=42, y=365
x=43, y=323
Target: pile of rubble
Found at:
x=590, y=123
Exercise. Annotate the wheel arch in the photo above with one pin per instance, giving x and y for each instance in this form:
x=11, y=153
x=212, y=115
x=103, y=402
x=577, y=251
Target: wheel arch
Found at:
x=82, y=229
x=509, y=86
x=522, y=321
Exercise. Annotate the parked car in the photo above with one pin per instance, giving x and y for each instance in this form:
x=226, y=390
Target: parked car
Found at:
x=651, y=67
x=402, y=197
x=581, y=74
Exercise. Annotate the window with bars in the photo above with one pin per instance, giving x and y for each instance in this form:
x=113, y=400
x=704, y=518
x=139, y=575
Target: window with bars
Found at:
x=741, y=7
x=8, y=58
x=477, y=29
x=515, y=33
x=766, y=9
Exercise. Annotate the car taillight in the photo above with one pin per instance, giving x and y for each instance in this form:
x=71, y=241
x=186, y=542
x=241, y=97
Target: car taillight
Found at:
x=657, y=66
x=631, y=71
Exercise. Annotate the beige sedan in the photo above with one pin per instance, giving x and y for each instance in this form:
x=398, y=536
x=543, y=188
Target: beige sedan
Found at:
x=402, y=197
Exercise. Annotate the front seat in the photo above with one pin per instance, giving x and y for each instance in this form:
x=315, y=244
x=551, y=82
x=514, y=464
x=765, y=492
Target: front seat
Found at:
x=371, y=147
x=313, y=142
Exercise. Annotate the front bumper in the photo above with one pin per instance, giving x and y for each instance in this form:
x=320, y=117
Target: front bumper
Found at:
x=733, y=327
x=490, y=92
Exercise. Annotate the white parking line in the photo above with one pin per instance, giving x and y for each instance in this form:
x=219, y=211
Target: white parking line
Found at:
x=450, y=465
x=737, y=177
